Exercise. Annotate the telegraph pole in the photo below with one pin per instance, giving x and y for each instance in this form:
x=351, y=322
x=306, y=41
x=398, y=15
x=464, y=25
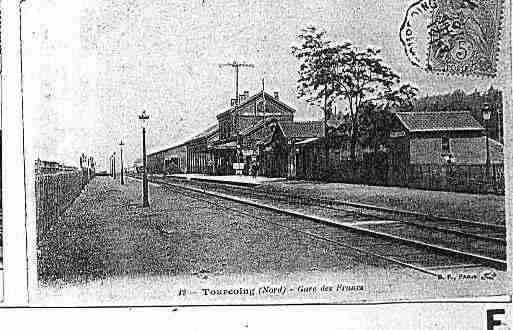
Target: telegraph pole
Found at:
x=236, y=65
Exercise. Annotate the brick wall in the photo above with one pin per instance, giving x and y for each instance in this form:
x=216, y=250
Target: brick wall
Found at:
x=426, y=150
x=241, y=123
x=225, y=127
x=245, y=115
x=469, y=150
x=465, y=149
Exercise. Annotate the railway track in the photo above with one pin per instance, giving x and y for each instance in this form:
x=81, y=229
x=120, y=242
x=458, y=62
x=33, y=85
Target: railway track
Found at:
x=427, y=248
x=471, y=229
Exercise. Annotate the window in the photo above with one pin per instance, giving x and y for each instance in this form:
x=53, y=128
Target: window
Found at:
x=225, y=130
x=446, y=146
x=260, y=111
x=228, y=130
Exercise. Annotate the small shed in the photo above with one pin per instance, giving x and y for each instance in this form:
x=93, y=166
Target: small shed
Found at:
x=440, y=137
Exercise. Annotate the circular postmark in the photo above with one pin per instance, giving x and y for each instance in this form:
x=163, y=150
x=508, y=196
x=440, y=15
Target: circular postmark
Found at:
x=414, y=33
x=455, y=36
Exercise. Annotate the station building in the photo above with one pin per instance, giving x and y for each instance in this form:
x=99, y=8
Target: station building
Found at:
x=244, y=127
x=238, y=137
x=260, y=129
x=168, y=160
x=199, y=158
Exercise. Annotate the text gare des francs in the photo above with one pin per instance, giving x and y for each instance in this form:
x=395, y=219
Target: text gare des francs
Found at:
x=271, y=290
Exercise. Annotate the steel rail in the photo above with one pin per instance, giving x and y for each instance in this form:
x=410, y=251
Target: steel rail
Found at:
x=363, y=251
x=376, y=208
x=413, y=222
x=493, y=262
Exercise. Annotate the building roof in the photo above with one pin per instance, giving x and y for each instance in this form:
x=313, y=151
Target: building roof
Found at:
x=302, y=129
x=308, y=141
x=439, y=121
x=225, y=146
x=252, y=98
x=159, y=149
x=206, y=133
x=260, y=124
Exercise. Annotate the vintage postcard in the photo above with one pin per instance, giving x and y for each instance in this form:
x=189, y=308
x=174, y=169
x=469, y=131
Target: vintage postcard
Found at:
x=266, y=152
x=1, y=186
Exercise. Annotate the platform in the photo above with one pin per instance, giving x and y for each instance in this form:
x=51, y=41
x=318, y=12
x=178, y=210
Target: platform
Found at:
x=240, y=180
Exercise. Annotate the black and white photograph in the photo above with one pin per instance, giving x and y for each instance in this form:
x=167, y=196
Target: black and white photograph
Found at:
x=245, y=152
x=1, y=186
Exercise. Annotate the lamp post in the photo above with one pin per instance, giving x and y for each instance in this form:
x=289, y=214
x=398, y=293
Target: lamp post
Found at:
x=114, y=165
x=487, y=114
x=143, y=117
x=111, y=166
x=325, y=128
x=121, y=144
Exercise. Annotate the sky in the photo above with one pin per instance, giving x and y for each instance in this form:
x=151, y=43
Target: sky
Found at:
x=91, y=66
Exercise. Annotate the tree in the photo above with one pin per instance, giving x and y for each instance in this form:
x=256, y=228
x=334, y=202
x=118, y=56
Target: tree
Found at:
x=316, y=72
x=330, y=71
x=363, y=79
x=399, y=99
x=375, y=118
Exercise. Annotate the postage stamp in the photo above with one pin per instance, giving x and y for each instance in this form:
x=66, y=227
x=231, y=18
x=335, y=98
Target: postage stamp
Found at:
x=463, y=36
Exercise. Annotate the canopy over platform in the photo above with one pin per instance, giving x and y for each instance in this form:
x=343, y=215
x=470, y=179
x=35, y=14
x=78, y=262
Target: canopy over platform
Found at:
x=308, y=141
x=225, y=146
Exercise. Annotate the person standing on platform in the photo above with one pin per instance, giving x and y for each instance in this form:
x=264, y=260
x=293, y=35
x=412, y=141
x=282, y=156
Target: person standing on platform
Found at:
x=255, y=167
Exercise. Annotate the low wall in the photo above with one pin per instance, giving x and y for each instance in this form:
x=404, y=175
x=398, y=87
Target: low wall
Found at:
x=475, y=178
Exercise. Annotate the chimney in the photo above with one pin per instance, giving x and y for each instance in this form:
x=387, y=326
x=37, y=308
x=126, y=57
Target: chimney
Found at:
x=276, y=95
x=243, y=96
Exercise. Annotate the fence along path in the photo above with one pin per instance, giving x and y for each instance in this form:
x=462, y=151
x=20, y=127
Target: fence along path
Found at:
x=56, y=192
x=466, y=178
x=476, y=178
